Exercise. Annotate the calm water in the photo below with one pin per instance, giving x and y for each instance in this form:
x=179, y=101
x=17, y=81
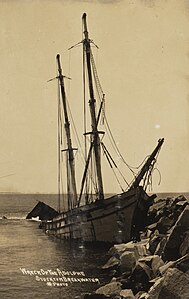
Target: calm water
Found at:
x=24, y=246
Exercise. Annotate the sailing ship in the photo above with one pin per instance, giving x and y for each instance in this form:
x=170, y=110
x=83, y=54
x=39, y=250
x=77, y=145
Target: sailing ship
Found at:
x=89, y=216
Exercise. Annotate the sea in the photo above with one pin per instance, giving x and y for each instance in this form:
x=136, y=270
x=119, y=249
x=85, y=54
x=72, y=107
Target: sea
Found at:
x=35, y=265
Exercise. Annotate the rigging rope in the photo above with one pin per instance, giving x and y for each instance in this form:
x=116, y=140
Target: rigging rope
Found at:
x=110, y=157
x=110, y=161
x=112, y=140
x=101, y=98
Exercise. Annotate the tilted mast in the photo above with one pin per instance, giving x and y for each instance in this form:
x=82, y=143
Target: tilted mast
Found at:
x=147, y=165
x=94, y=123
x=70, y=149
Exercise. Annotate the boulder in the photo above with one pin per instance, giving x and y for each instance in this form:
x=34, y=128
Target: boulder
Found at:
x=127, y=293
x=95, y=296
x=111, y=263
x=157, y=262
x=155, y=289
x=161, y=245
x=138, y=248
x=127, y=261
x=153, y=261
x=110, y=289
x=181, y=199
x=166, y=266
x=118, y=249
x=176, y=237
x=184, y=247
x=140, y=277
x=141, y=295
x=164, y=224
x=154, y=241
x=158, y=205
x=175, y=285
x=144, y=296
x=182, y=264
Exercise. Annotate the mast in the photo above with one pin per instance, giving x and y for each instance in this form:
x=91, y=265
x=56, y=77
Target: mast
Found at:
x=70, y=153
x=94, y=123
x=146, y=166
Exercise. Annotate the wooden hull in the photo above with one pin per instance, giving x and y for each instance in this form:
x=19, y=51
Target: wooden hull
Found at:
x=116, y=219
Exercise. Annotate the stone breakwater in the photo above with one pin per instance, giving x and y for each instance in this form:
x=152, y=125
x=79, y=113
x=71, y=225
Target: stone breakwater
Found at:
x=156, y=266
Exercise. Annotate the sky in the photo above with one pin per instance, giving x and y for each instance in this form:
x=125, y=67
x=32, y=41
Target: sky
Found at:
x=143, y=65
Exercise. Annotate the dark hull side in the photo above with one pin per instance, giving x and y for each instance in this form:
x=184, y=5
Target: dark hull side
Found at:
x=115, y=219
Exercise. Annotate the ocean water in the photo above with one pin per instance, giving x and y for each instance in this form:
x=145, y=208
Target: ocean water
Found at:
x=35, y=265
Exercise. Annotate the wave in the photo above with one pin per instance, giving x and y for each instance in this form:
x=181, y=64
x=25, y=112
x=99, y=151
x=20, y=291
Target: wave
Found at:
x=12, y=217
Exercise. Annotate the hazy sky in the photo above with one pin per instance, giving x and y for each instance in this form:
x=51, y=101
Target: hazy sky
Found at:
x=143, y=64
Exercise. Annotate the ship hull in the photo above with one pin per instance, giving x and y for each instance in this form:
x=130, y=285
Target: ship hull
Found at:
x=116, y=219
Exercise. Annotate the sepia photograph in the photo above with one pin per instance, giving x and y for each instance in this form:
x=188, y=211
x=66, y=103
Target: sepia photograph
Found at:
x=94, y=155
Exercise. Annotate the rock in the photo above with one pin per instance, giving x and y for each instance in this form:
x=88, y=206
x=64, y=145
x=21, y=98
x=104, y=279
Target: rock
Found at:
x=155, y=289
x=164, y=224
x=157, y=262
x=175, y=285
x=111, y=263
x=141, y=294
x=165, y=267
x=161, y=245
x=154, y=241
x=127, y=261
x=184, y=247
x=140, y=248
x=171, y=250
x=112, y=273
x=118, y=249
x=127, y=293
x=140, y=277
x=180, y=198
x=154, y=262
x=144, y=296
x=181, y=262
x=146, y=234
x=158, y=205
x=152, y=227
x=110, y=289
x=138, y=264
x=95, y=296
x=126, y=283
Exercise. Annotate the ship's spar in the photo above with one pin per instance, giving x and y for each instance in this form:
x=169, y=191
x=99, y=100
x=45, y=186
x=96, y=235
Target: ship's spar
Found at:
x=70, y=149
x=94, y=123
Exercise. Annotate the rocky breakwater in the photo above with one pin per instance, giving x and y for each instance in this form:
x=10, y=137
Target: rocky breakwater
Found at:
x=157, y=266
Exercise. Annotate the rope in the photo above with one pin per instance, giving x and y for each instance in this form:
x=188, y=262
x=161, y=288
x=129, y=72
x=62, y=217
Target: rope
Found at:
x=111, y=166
x=128, y=185
x=112, y=140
